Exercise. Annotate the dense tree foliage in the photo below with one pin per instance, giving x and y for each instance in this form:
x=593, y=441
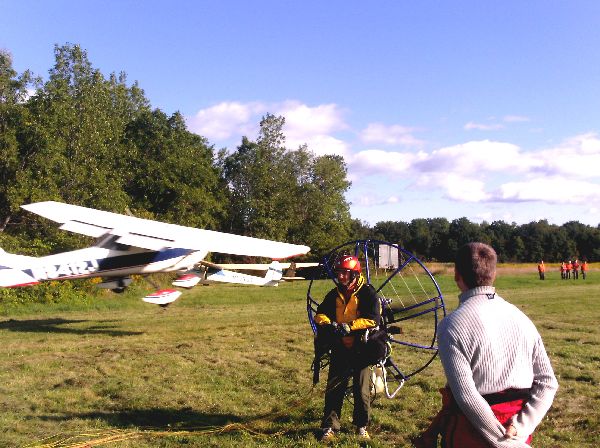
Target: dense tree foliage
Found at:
x=13, y=121
x=438, y=239
x=291, y=195
x=171, y=172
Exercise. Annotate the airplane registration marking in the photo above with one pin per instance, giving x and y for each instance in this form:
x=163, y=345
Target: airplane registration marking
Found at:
x=82, y=267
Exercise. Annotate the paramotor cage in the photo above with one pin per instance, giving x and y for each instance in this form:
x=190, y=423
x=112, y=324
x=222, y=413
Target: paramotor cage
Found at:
x=409, y=297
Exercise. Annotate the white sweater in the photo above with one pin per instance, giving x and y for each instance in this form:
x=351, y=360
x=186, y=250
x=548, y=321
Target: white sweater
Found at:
x=488, y=345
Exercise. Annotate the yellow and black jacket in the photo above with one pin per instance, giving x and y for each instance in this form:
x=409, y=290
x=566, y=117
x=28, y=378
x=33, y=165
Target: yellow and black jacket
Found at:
x=361, y=309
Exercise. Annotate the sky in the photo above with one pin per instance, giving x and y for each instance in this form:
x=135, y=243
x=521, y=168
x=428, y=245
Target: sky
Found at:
x=487, y=110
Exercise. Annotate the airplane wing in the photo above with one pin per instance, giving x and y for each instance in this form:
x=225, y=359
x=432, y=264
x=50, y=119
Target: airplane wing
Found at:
x=155, y=235
x=258, y=266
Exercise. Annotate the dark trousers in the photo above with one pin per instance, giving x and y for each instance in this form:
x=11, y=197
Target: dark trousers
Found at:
x=345, y=364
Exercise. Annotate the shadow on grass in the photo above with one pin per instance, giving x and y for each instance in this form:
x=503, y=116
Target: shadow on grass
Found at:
x=182, y=419
x=186, y=419
x=55, y=326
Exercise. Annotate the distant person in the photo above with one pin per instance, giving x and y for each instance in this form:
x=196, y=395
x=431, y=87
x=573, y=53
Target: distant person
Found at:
x=347, y=323
x=576, y=269
x=542, y=270
x=563, y=270
x=584, y=268
x=568, y=270
x=500, y=380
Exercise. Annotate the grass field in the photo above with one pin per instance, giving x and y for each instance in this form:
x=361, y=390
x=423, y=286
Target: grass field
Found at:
x=229, y=366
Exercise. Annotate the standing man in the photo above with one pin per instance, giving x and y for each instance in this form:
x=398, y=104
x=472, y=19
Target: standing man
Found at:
x=542, y=270
x=576, y=269
x=348, y=323
x=500, y=381
x=584, y=268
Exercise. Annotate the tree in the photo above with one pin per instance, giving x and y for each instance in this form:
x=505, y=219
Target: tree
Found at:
x=438, y=228
x=360, y=230
x=462, y=231
x=72, y=148
x=286, y=195
x=324, y=220
x=397, y=232
x=173, y=175
x=420, y=238
x=256, y=176
x=13, y=119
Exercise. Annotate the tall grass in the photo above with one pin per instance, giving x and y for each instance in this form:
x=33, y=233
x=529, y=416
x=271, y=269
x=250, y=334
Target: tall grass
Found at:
x=229, y=365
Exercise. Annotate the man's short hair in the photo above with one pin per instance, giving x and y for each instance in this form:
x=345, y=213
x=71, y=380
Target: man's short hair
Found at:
x=476, y=264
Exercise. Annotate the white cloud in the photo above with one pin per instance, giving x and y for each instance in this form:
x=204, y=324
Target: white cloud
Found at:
x=313, y=126
x=553, y=190
x=483, y=127
x=515, y=119
x=389, y=135
x=301, y=119
x=456, y=187
x=577, y=157
x=303, y=124
x=320, y=145
x=368, y=200
x=227, y=119
x=387, y=162
x=477, y=157
x=485, y=216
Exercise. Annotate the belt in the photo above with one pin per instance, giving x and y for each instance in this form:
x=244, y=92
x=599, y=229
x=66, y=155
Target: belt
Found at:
x=507, y=395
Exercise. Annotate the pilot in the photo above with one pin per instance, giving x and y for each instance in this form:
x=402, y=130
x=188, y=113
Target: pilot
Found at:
x=348, y=323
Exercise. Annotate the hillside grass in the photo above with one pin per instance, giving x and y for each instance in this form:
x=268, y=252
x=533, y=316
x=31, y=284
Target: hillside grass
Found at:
x=229, y=365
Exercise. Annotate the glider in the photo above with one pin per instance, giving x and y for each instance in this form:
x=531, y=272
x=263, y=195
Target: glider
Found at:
x=126, y=245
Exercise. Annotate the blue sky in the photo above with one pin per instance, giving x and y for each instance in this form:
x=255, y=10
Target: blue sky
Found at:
x=488, y=110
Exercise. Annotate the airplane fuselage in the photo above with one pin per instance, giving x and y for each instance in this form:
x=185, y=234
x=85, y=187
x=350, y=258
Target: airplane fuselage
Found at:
x=16, y=270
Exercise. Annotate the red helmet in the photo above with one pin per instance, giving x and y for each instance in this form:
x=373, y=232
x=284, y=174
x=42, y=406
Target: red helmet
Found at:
x=347, y=262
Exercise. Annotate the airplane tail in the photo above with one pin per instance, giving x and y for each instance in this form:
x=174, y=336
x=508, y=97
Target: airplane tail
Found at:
x=274, y=274
x=12, y=270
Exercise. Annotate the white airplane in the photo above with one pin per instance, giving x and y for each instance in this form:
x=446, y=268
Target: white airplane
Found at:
x=290, y=273
x=215, y=273
x=127, y=245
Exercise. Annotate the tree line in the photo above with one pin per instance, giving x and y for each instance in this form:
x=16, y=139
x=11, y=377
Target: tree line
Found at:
x=85, y=138
x=438, y=239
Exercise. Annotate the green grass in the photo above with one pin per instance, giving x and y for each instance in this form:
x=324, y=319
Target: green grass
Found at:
x=229, y=365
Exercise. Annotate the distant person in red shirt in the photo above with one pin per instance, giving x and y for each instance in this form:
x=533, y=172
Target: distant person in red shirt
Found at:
x=542, y=270
x=563, y=270
x=576, y=269
x=568, y=271
x=584, y=268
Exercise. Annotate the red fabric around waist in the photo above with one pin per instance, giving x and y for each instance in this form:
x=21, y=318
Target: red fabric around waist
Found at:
x=455, y=429
x=458, y=432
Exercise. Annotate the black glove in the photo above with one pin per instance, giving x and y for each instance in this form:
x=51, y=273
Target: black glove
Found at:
x=341, y=329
